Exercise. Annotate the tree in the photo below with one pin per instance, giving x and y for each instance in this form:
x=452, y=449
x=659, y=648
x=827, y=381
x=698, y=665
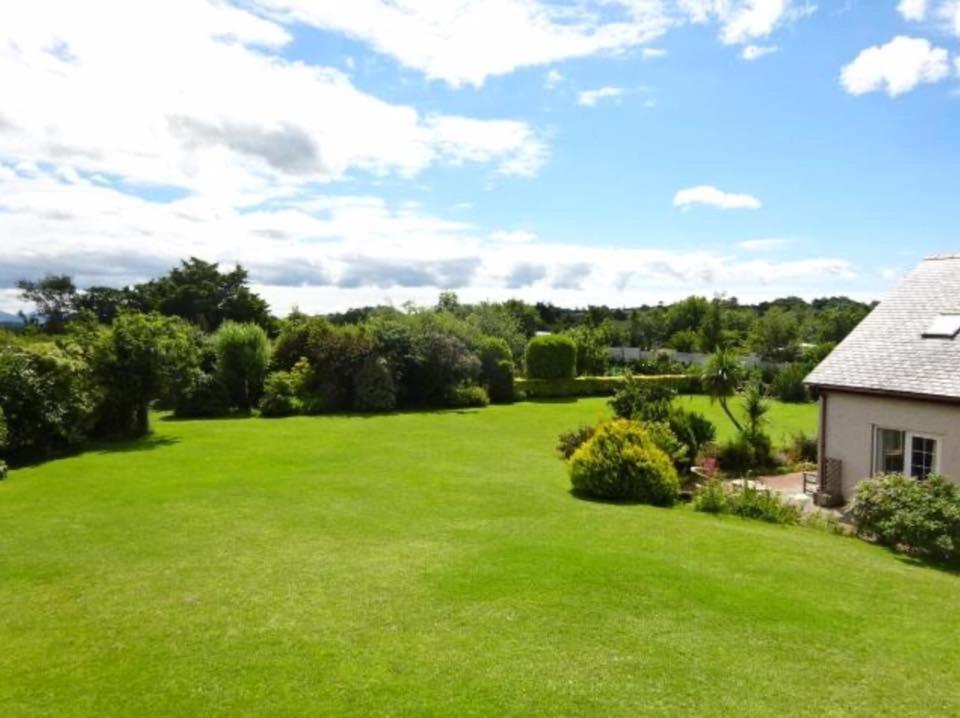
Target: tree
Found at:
x=755, y=406
x=53, y=298
x=243, y=356
x=711, y=329
x=527, y=316
x=147, y=356
x=105, y=303
x=721, y=380
x=203, y=295
x=775, y=335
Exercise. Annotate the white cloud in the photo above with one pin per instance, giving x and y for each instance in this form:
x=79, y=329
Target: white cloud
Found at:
x=755, y=52
x=744, y=20
x=514, y=236
x=949, y=13
x=553, y=79
x=223, y=115
x=468, y=41
x=328, y=252
x=590, y=98
x=762, y=245
x=653, y=53
x=713, y=197
x=913, y=9
x=896, y=68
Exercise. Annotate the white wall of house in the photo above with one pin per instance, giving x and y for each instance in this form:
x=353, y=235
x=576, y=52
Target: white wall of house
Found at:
x=852, y=418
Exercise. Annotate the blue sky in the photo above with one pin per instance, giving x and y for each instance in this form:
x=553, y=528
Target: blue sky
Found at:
x=624, y=151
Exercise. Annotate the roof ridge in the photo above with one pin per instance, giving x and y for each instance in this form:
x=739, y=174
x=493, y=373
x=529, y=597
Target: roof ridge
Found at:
x=941, y=257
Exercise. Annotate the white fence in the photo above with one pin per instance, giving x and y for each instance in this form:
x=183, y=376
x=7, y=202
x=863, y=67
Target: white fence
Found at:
x=751, y=361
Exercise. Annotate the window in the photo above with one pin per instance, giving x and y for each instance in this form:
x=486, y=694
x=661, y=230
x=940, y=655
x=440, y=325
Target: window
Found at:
x=902, y=452
x=923, y=456
x=943, y=326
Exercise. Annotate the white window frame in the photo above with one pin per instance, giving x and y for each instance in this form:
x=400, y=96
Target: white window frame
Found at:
x=908, y=437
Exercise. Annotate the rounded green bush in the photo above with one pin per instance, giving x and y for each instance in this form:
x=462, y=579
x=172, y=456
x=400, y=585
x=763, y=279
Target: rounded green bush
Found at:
x=280, y=395
x=622, y=462
x=551, y=356
x=374, y=388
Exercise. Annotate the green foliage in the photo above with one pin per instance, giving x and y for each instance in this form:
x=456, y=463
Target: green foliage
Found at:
x=243, y=356
x=468, y=396
x=685, y=340
x=374, y=389
x=145, y=357
x=787, y=384
x=623, y=462
x=721, y=379
x=582, y=386
x=802, y=448
x=551, y=356
x=748, y=502
x=281, y=391
x=641, y=399
x=49, y=399
x=496, y=369
x=204, y=396
x=496, y=321
x=748, y=451
x=756, y=406
x=53, y=298
x=920, y=517
x=442, y=364
x=592, y=355
x=570, y=441
x=500, y=384
x=775, y=335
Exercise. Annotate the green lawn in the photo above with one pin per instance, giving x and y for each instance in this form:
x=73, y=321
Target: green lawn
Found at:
x=435, y=564
x=785, y=420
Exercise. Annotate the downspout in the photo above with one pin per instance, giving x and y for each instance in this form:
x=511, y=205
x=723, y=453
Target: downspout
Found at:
x=822, y=443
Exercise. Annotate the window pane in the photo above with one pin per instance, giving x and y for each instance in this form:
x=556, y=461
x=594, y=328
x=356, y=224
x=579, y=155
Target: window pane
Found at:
x=890, y=455
x=923, y=453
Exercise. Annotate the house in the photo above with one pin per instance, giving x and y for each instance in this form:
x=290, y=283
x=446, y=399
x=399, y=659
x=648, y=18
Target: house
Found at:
x=890, y=391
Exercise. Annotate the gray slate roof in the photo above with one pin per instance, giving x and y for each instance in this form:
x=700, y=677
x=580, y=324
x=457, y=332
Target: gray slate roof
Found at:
x=887, y=352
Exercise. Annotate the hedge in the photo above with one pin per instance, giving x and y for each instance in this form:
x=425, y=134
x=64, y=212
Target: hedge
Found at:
x=551, y=356
x=583, y=386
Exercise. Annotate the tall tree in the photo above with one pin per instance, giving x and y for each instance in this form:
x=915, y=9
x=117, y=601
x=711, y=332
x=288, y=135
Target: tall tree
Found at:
x=721, y=379
x=53, y=297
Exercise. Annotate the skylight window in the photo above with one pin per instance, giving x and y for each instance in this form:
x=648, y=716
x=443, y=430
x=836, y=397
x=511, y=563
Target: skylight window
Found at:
x=944, y=326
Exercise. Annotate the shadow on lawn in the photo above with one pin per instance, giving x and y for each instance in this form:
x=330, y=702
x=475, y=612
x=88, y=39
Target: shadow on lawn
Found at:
x=129, y=446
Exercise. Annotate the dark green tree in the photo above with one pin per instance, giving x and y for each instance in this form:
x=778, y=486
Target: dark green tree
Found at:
x=53, y=297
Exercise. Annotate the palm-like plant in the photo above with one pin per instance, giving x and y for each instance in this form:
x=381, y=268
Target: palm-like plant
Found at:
x=755, y=405
x=721, y=379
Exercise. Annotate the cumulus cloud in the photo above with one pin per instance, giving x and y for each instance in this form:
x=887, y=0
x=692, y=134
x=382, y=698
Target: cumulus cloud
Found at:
x=896, y=68
x=742, y=21
x=513, y=236
x=553, y=79
x=913, y=9
x=653, y=53
x=197, y=95
x=525, y=274
x=755, y=52
x=470, y=41
x=762, y=245
x=712, y=197
x=590, y=98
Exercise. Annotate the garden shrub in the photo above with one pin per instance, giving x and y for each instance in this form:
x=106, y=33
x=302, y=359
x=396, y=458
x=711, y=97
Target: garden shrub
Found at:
x=570, y=441
x=747, y=502
x=748, y=451
x=463, y=397
x=373, y=387
x=642, y=399
x=243, y=357
x=496, y=369
x=49, y=398
x=280, y=395
x=622, y=462
x=920, y=517
x=501, y=382
x=441, y=363
x=592, y=355
x=551, y=356
x=581, y=386
x=204, y=396
x=802, y=448
x=787, y=384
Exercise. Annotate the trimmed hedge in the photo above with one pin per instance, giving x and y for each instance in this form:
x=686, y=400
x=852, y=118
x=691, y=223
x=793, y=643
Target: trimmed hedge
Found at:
x=583, y=386
x=551, y=356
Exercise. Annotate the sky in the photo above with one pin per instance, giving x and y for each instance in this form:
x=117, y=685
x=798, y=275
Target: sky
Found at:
x=581, y=152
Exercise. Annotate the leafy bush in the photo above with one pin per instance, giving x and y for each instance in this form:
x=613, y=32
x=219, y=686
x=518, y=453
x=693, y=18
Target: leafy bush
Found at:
x=802, y=448
x=748, y=502
x=496, y=369
x=468, y=396
x=748, y=451
x=622, y=461
x=592, y=354
x=374, y=389
x=3, y=444
x=204, y=396
x=642, y=399
x=787, y=384
x=441, y=364
x=49, y=398
x=551, y=356
x=581, y=386
x=243, y=356
x=570, y=441
x=711, y=497
x=501, y=383
x=280, y=395
x=920, y=517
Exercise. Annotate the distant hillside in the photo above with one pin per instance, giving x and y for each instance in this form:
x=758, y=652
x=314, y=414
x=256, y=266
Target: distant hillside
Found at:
x=7, y=318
